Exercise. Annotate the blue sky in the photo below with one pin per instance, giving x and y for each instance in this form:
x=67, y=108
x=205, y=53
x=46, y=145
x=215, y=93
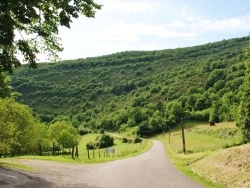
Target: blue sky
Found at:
x=124, y=25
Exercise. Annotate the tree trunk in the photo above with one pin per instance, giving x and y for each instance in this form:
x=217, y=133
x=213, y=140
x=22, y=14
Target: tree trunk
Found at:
x=76, y=153
x=40, y=149
x=72, y=153
x=88, y=154
x=53, y=148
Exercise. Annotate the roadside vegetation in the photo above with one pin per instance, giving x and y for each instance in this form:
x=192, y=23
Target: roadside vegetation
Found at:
x=121, y=150
x=204, y=144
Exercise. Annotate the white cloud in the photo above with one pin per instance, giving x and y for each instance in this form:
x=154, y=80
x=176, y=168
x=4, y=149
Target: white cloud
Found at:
x=176, y=24
x=226, y=24
x=187, y=12
x=148, y=25
x=130, y=6
x=131, y=32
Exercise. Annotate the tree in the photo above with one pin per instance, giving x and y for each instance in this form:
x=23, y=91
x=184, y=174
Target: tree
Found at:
x=5, y=90
x=64, y=134
x=7, y=128
x=214, y=112
x=244, y=111
x=176, y=110
x=19, y=131
x=36, y=23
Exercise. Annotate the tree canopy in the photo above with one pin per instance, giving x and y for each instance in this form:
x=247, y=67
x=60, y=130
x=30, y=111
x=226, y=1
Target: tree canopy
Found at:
x=19, y=130
x=244, y=113
x=29, y=27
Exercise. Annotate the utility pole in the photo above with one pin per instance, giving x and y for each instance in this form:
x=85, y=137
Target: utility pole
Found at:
x=183, y=137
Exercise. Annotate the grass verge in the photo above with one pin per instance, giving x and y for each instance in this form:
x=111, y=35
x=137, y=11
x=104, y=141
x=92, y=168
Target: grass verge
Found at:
x=122, y=150
x=202, y=140
x=18, y=166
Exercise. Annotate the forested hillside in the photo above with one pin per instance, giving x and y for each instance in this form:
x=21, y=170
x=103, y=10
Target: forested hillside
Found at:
x=148, y=90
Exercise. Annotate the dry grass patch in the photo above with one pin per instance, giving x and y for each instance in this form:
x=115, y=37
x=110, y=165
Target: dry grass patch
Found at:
x=230, y=167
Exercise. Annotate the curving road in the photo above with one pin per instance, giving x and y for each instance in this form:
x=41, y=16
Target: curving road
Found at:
x=149, y=170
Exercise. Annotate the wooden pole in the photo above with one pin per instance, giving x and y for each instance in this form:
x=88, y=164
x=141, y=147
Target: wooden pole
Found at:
x=88, y=154
x=183, y=137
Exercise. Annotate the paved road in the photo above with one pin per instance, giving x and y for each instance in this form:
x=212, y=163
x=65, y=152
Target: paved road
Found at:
x=149, y=170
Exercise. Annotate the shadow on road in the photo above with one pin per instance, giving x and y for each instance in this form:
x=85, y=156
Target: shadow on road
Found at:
x=16, y=178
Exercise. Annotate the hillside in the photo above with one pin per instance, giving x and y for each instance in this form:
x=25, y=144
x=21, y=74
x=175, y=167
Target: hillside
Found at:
x=229, y=167
x=145, y=89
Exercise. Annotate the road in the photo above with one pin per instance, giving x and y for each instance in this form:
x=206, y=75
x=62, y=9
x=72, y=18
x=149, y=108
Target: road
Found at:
x=149, y=170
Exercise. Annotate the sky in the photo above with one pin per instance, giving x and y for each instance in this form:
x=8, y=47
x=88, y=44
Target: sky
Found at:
x=127, y=25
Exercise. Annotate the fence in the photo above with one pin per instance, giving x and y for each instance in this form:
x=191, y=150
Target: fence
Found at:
x=106, y=152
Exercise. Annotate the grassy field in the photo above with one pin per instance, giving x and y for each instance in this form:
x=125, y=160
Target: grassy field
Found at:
x=210, y=157
x=122, y=150
x=202, y=140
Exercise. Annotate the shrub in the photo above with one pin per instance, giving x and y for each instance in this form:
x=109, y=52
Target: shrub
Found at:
x=137, y=140
x=105, y=141
x=200, y=115
x=91, y=145
x=101, y=131
x=124, y=140
x=127, y=140
x=83, y=131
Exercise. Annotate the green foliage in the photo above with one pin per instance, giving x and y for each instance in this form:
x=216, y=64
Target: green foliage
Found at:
x=91, y=145
x=126, y=140
x=63, y=134
x=20, y=132
x=105, y=141
x=137, y=140
x=243, y=120
x=38, y=23
x=5, y=90
x=83, y=131
x=101, y=131
x=102, y=141
x=146, y=90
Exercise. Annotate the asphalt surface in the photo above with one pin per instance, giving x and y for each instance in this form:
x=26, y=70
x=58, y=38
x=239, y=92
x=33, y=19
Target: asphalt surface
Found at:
x=149, y=170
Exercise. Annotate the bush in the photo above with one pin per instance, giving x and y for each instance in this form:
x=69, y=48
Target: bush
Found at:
x=83, y=131
x=91, y=145
x=101, y=131
x=137, y=140
x=124, y=140
x=200, y=115
x=105, y=141
x=127, y=140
